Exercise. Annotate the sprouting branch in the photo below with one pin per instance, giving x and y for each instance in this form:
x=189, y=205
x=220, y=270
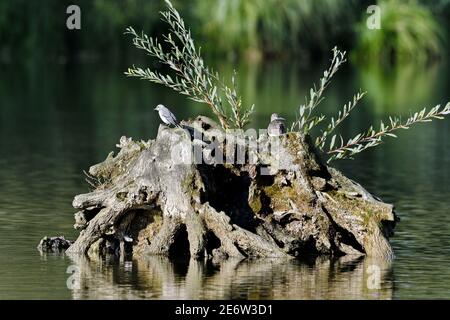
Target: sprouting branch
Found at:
x=374, y=138
x=306, y=121
x=199, y=83
x=342, y=115
x=239, y=116
x=192, y=78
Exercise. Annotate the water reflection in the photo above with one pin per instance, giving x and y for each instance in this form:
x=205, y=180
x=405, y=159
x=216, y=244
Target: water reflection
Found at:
x=402, y=89
x=160, y=278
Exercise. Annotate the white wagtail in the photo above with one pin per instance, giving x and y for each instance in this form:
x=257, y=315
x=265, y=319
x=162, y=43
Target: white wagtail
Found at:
x=167, y=116
x=276, y=126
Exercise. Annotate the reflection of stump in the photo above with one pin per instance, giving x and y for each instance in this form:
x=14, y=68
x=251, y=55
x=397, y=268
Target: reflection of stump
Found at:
x=274, y=279
x=149, y=203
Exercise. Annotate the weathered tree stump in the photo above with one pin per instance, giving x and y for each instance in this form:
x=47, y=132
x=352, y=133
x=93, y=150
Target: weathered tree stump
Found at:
x=149, y=203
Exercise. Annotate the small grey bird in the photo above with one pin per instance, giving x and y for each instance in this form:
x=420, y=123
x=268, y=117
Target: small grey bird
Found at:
x=167, y=116
x=276, y=126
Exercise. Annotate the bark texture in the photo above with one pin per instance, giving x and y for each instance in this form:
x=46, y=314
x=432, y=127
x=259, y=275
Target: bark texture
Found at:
x=148, y=203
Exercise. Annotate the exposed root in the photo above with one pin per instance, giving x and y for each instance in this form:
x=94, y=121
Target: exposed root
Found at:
x=196, y=235
x=98, y=226
x=163, y=241
x=236, y=241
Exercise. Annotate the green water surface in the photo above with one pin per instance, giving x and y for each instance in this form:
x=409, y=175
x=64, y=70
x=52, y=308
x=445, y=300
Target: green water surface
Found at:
x=57, y=120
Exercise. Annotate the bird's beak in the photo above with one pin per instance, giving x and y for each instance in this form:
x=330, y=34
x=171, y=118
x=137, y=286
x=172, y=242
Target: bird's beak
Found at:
x=155, y=108
x=282, y=119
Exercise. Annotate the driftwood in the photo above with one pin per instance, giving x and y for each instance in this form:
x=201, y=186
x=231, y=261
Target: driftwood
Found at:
x=146, y=202
x=54, y=244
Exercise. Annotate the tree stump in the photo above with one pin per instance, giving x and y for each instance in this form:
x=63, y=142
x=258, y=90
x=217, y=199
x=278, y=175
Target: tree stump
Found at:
x=148, y=202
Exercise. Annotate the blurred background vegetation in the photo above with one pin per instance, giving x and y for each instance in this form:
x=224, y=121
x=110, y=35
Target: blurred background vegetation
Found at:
x=65, y=102
x=250, y=29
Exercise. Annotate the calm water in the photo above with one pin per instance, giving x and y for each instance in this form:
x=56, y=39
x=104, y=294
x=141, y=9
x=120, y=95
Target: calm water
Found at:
x=56, y=121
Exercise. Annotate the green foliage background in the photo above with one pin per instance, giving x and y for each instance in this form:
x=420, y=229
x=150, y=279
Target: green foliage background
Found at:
x=228, y=28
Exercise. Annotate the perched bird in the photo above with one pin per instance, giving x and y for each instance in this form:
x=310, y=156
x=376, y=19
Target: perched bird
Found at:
x=167, y=116
x=276, y=126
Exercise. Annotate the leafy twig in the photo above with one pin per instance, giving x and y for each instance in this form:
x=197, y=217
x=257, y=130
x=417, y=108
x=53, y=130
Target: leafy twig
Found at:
x=373, y=138
x=192, y=78
x=239, y=117
x=342, y=115
x=306, y=121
